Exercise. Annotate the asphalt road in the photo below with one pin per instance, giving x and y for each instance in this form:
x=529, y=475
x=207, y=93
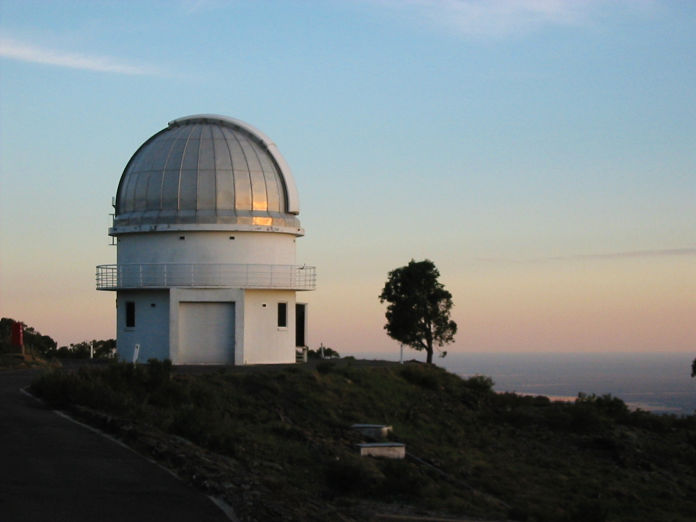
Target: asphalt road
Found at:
x=52, y=469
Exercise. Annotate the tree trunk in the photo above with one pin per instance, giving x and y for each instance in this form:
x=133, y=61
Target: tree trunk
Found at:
x=429, y=349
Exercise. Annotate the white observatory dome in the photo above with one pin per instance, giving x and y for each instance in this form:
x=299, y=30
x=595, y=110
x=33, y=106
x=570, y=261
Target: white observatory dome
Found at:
x=205, y=228
x=211, y=172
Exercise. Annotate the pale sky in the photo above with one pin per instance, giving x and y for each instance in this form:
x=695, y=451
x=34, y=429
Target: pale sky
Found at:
x=541, y=152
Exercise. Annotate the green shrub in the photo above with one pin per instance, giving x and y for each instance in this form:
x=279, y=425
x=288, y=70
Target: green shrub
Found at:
x=325, y=366
x=351, y=475
x=329, y=353
x=158, y=372
x=586, y=419
x=421, y=375
x=401, y=479
x=477, y=390
x=587, y=511
x=651, y=422
x=606, y=404
x=479, y=384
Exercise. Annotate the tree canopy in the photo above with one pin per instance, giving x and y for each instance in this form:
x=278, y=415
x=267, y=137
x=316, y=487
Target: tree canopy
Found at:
x=418, y=314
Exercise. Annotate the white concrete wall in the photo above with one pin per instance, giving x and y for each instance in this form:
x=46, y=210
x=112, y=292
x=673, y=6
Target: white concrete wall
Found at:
x=257, y=337
x=151, y=330
x=264, y=341
x=207, y=247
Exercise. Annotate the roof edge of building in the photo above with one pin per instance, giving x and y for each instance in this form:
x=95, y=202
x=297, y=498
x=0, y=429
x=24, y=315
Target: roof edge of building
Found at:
x=204, y=227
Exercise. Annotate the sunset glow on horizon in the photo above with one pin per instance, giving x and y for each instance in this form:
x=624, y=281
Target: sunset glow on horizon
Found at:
x=542, y=158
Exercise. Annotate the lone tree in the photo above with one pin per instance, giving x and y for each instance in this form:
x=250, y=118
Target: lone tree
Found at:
x=418, y=314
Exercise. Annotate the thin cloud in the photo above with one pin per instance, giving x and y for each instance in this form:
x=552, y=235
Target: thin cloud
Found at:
x=629, y=254
x=497, y=18
x=16, y=50
x=666, y=252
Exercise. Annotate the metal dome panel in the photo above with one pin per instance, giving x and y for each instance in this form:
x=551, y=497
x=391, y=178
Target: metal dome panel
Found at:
x=210, y=170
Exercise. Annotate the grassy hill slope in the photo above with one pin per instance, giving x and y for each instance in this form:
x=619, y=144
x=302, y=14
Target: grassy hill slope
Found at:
x=275, y=443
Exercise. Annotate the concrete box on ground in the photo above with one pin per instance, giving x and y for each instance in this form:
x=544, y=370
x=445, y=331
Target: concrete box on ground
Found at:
x=387, y=450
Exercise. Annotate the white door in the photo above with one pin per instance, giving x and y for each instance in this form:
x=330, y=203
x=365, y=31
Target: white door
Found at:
x=206, y=333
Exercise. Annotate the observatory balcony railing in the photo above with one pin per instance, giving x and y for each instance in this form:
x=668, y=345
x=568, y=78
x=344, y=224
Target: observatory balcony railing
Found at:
x=134, y=276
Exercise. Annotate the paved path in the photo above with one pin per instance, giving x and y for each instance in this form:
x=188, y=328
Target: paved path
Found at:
x=52, y=469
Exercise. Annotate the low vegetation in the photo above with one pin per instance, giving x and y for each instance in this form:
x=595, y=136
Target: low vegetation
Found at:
x=323, y=352
x=275, y=442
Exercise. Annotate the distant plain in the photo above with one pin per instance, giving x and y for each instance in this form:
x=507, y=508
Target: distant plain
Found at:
x=657, y=382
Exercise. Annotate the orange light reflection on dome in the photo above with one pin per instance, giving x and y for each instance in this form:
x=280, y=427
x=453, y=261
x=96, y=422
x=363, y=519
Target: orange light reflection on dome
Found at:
x=265, y=221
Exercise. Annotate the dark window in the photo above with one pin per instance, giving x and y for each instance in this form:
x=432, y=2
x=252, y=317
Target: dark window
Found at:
x=300, y=325
x=130, y=314
x=282, y=315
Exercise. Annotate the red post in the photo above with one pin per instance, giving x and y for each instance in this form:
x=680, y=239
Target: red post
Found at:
x=18, y=335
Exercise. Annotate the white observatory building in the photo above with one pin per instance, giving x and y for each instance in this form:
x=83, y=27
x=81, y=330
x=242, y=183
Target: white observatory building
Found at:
x=205, y=226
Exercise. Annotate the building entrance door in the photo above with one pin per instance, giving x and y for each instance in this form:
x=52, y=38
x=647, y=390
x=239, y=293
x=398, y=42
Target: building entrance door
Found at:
x=206, y=333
